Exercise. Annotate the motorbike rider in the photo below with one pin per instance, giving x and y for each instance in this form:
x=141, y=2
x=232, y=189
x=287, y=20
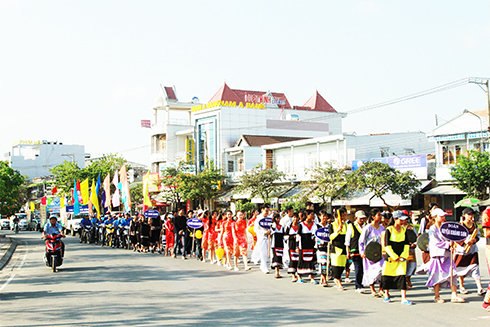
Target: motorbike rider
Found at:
x=53, y=227
x=85, y=222
x=15, y=222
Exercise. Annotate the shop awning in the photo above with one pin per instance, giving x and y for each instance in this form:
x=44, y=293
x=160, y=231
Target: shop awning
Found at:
x=445, y=190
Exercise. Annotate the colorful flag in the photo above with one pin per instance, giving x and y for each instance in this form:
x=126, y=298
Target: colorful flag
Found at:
x=85, y=192
x=146, y=194
x=62, y=202
x=43, y=201
x=33, y=207
x=126, y=196
x=76, y=204
x=94, y=198
x=54, y=190
x=79, y=192
x=107, y=191
x=115, y=199
x=50, y=200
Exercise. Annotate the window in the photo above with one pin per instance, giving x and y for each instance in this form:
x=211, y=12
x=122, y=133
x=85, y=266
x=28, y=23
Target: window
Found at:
x=269, y=159
x=231, y=166
x=409, y=152
x=447, y=155
x=385, y=152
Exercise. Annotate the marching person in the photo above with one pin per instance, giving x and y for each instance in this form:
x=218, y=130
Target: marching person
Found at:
x=277, y=244
x=306, y=247
x=180, y=225
x=291, y=233
x=440, y=260
x=240, y=239
x=322, y=249
x=354, y=231
x=228, y=240
x=396, y=248
x=486, y=233
x=338, y=257
x=466, y=258
x=261, y=249
x=372, y=270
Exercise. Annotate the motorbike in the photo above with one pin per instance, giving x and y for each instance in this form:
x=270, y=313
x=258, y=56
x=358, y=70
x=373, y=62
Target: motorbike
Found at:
x=16, y=228
x=110, y=235
x=53, y=257
x=124, y=237
x=86, y=234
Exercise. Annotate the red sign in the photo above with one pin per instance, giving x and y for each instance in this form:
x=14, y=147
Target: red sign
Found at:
x=254, y=98
x=146, y=123
x=449, y=212
x=188, y=203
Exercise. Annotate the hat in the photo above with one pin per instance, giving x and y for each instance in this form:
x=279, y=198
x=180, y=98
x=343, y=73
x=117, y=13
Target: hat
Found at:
x=53, y=216
x=438, y=212
x=360, y=214
x=468, y=210
x=399, y=214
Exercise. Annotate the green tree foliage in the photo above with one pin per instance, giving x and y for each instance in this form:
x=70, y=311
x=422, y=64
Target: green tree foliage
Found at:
x=260, y=182
x=380, y=178
x=472, y=174
x=203, y=185
x=171, y=181
x=327, y=182
x=136, y=191
x=11, y=185
x=245, y=206
x=66, y=173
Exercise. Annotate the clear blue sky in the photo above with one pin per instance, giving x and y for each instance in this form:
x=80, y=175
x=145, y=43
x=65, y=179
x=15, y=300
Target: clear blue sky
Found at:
x=87, y=72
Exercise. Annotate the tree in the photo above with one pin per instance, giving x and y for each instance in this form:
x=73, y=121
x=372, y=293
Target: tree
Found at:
x=11, y=184
x=379, y=178
x=472, y=173
x=260, y=182
x=136, y=191
x=171, y=181
x=64, y=176
x=327, y=182
x=245, y=206
x=203, y=185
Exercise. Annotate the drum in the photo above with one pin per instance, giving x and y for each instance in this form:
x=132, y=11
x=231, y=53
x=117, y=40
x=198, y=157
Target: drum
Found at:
x=411, y=236
x=423, y=242
x=373, y=251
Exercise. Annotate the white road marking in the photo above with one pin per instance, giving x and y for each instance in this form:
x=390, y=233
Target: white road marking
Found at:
x=24, y=258
x=7, y=282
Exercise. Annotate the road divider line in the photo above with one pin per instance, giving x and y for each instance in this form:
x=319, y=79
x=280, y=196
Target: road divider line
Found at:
x=24, y=258
x=7, y=282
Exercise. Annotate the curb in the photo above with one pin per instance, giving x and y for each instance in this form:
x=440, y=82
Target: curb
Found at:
x=8, y=254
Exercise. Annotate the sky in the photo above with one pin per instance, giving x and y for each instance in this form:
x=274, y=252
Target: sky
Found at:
x=87, y=72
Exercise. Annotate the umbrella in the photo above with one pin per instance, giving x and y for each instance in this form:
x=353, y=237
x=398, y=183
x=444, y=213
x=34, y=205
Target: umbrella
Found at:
x=468, y=202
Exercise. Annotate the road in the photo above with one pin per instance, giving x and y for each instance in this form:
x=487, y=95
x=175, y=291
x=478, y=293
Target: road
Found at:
x=115, y=287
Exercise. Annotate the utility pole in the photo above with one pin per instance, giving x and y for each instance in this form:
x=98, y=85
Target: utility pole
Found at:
x=483, y=81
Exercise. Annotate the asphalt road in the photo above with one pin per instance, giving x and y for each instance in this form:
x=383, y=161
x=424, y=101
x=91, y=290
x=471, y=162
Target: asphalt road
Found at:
x=115, y=287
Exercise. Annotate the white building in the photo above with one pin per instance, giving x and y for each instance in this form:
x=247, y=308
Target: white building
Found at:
x=36, y=158
x=465, y=131
x=198, y=133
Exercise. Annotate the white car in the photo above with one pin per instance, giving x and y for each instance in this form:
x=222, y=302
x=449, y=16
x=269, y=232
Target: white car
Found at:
x=4, y=223
x=23, y=225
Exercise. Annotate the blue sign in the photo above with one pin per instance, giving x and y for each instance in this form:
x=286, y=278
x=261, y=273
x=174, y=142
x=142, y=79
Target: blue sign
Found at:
x=454, y=231
x=194, y=223
x=265, y=222
x=83, y=209
x=400, y=162
x=323, y=234
x=151, y=213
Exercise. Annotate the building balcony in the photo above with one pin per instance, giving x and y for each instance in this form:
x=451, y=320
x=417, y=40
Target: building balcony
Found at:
x=158, y=129
x=158, y=157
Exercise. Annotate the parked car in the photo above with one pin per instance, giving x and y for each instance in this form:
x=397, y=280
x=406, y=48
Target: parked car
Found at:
x=72, y=223
x=23, y=225
x=5, y=223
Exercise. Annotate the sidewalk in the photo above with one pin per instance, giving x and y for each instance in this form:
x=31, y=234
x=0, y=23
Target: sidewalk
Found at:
x=7, y=248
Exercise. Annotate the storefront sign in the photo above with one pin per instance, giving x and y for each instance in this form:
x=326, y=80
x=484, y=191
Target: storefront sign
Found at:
x=27, y=143
x=447, y=137
x=417, y=164
x=220, y=103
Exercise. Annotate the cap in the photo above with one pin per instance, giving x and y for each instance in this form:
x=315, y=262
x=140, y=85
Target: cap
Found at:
x=399, y=214
x=53, y=216
x=438, y=212
x=468, y=210
x=360, y=214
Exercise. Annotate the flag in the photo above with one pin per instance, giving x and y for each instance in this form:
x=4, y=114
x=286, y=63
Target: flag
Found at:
x=50, y=200
x=94, y=197
x=146, y=194
x=79, y=192
x=84, y=191
x=115, y=199
x=33, y=207
x=62, y=202
x=54, y=190
x=76, y=204
x=126, y=196
x=43, y=201
x=107, y=191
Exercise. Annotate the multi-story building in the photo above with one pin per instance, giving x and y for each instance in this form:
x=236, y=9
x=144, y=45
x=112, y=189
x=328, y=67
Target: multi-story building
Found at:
x=200, y=132
x=36, y=158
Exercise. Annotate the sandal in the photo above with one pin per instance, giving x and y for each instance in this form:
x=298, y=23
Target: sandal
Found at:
x=386, y=300
x=314, y=282
x=407, y=302
x=463, y=290
x=375, y=295
x=438, y=300
x=457, y=300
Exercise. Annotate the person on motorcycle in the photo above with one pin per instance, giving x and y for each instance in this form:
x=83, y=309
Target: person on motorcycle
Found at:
x=15, y=223
x=85, y=222
x=53, y=227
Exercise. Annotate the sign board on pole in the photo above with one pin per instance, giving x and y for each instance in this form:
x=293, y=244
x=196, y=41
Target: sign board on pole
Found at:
x=194, y=223
x=151, y=213
x=323, y=234
x=454, y=231
x=265, y=222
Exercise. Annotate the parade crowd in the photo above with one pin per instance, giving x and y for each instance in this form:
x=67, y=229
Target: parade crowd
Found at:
x=379, y=246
